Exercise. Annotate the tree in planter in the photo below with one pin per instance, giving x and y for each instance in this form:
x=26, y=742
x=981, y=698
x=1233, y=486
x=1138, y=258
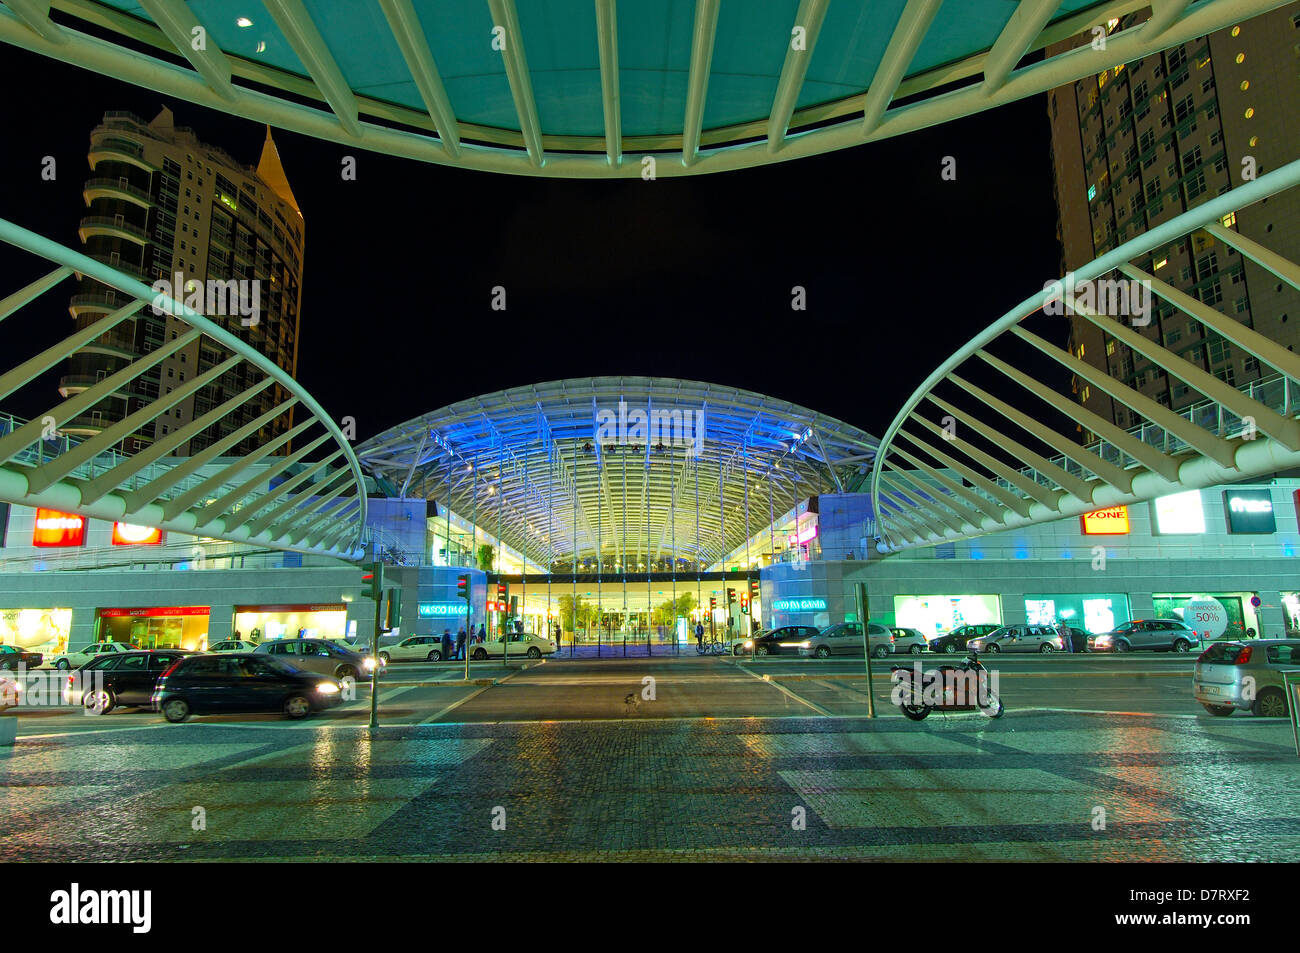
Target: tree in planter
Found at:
x=487, y=555
x=574, y=613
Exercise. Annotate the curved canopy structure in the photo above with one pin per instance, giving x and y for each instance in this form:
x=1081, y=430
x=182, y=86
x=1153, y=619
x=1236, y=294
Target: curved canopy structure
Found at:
x=962, y=459
x=299, y=490
x=571, y=87
x=640, y=470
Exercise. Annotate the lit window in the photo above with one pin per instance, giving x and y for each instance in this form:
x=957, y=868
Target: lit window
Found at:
x=1161, y=263
x=1241, y=57
x=1229, y=220
x=1254, y=140
x=1250, y=112
x=1236, y=31
x=1245, y=85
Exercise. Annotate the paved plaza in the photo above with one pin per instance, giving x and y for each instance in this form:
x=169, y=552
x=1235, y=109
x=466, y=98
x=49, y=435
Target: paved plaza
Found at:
x=1034, y=785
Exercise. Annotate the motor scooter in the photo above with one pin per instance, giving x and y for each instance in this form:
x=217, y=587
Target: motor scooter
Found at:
x=963, y=687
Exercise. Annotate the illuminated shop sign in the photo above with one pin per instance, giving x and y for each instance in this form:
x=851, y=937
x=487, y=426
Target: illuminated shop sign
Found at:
x=431, y=610
x=1249, y=511
x=1108, y=522
x=1180, y=514
x=128, y=534
x=153, y=612
x=309, y=607
x=54, y=528
x=810, y=604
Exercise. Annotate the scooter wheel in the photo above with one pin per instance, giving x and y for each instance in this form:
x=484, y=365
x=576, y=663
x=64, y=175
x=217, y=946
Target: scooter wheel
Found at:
x=993, y=711
x=915, y=712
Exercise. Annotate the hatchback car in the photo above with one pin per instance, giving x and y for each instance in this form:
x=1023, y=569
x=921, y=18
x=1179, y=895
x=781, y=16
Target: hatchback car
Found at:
x=1019, y=638
x=784, y=640
x=1150, y=635
x=1246, y=676
x=119, y=679
x=517, y=644
x=248, y=682
x=11, y=657
x=232, y=645
x=320, y=655
x=908, y=640
x=955, y=641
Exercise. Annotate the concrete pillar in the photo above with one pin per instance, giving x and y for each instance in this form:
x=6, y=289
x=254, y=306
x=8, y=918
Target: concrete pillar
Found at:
x=1141, y=605
x=82, y=632
x=1271, y=613
x=1013, y=608
x=221, y=624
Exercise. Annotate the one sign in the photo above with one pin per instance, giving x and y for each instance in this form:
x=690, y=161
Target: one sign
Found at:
x=1108, y=522
x=809, y=604
x=55, y=528
x=1180, y=514
x=1207, y=616
x=430, y=610
x=1249, y=511
x=129, y=534
x=308, y=607
x=153, y=612
x=1255, y=601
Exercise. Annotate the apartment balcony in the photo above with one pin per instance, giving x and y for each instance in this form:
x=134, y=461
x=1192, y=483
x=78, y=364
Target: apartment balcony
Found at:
x=100, y=302
x=107, y=145
x=119, y=188
x=114, y=226
x=126, y=267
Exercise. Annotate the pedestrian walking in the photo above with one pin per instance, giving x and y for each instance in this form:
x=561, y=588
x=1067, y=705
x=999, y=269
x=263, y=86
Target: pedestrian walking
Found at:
x=699, y=635
x=460, y=645
x=482, y=633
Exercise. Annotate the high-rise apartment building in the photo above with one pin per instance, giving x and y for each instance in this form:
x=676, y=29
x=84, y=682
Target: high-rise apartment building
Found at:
x=163, y=206
x=1141, y=143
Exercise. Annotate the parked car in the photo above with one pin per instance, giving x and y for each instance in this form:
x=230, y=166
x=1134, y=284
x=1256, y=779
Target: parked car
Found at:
x=521, y=644
x=908, y=640
x=320, y=655
x=11, y=656
x=1151, y=635
x=955, y=641
x=1246, y=676
x=128, y=679
x=247, y=682
x=232, y=645
x=845, y=638
x=415, y=648
x=784, y=640
x=1019, y=638
x=67, y=660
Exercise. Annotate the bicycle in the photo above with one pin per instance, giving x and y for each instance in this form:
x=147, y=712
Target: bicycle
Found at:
x=712, y=646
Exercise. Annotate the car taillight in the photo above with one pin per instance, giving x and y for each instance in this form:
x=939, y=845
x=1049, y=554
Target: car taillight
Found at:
x=169, y=669
x=71, y=679
x=1243, y=656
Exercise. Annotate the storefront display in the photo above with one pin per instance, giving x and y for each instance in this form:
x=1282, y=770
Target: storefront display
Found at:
x=39, y=630
x=1180, y=514
x=1091, y=612
x=937, y=615
x=1236, y=605
x=318, y=621
x=156, y=627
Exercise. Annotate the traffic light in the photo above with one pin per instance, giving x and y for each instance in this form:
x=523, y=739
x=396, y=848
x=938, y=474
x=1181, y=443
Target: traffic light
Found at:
x=744, y=603
x=713, y=602
x=731, y=596
x=501, y=592
x=753, y=589
x=462, y=587
x=373, y=577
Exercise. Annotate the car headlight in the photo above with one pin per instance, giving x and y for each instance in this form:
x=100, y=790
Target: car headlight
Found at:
x=327, y=688
x=749, y=643
x=805, y=645
x=368, y=663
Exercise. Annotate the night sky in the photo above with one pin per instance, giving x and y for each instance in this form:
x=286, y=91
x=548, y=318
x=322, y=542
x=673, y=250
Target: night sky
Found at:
x=676, y=278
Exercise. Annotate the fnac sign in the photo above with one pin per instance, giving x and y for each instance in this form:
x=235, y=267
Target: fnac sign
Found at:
x=1107, y=522
x=55, y=528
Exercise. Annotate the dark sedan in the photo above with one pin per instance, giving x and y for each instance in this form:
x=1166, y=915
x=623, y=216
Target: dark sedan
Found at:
x=120, y=680
x=955, y=641
x=11, y=657
x=782, y=641
x=242, y=682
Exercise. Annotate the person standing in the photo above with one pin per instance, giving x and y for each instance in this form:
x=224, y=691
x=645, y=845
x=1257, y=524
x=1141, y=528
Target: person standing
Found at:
x=482, y=633
x=446, y=644
x=1067, y=642
x=699, y=635
x=460, y=645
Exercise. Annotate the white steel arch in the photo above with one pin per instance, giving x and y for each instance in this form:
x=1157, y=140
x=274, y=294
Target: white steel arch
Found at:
x=320, y=97
x=301, y=491
x=931, y=482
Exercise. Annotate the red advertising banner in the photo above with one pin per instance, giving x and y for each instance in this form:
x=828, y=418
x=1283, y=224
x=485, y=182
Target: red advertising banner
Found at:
x=55, y=528
x=155, y=611
x=128, y=534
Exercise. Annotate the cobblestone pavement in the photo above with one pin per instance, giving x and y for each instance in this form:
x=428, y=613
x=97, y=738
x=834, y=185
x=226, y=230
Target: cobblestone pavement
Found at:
x=1030, y=786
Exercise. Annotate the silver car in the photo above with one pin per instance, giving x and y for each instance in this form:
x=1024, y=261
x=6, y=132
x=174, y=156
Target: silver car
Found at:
x=1019, y=638
x=1245, y=675
x=320, y=655
x=1158, y=635
x=845, y=638
x=908, y=640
